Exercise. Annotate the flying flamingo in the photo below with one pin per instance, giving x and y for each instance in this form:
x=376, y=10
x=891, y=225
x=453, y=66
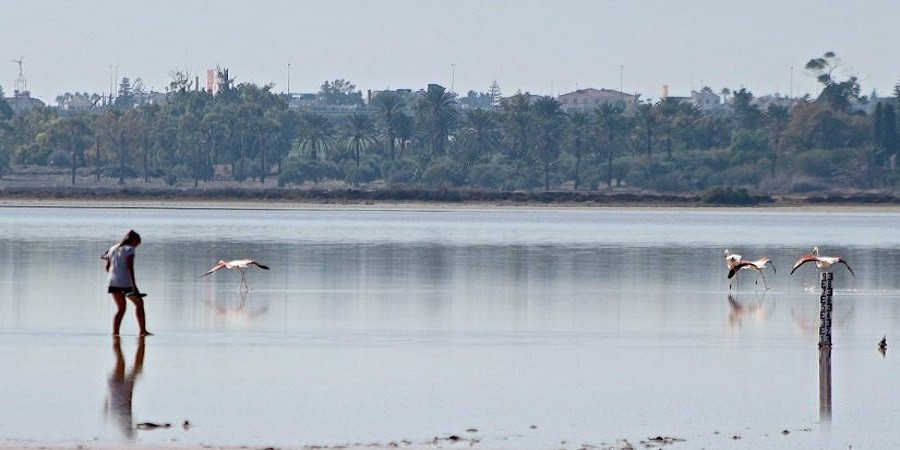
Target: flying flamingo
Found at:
x=823, y=263
x=757, y=265
x=238, y=264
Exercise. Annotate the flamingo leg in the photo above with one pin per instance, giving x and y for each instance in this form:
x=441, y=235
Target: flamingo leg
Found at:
x=244, y=286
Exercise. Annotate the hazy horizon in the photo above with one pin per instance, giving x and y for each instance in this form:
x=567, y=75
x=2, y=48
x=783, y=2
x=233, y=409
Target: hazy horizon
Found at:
x=537, y=47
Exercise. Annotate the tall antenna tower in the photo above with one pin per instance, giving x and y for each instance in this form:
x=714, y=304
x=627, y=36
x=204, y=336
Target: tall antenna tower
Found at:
x=20, y=86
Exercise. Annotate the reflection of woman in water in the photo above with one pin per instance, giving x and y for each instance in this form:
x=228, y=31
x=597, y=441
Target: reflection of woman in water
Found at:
x=120, y=265
x=121, y=386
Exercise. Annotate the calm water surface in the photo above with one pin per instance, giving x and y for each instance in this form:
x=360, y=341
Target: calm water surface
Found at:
x=536, y=328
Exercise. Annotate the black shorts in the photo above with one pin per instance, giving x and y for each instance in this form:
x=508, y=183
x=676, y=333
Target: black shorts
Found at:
x=114, y=289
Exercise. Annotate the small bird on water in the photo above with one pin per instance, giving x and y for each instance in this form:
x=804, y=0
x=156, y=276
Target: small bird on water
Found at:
x=882, y=345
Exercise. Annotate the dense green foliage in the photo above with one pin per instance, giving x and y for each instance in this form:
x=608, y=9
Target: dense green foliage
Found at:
x=433, y=140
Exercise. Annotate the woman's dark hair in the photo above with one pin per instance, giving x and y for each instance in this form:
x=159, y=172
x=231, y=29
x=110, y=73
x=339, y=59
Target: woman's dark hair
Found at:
x=132, y=238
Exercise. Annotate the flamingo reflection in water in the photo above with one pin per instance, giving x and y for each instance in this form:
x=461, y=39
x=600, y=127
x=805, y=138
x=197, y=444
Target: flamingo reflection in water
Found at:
x=758, y=309
x=808, y=323
x=121, y=387
x=239, y=313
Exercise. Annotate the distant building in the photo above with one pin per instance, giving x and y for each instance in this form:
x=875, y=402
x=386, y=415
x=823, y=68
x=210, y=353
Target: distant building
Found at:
x=151, y=98
x=304, y=101
x=765, y=101
x=531, y=98
x=212, y=80
x=705, y=99
x=405, y=94
x=313, y=103
x=589, y=99
x=22, y=102
x=78, y=101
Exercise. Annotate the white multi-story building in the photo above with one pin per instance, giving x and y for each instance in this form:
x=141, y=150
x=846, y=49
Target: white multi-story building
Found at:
x=588, y=99
x=705, y=99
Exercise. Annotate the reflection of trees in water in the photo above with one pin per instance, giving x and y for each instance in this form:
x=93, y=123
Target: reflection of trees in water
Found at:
x=121, y=387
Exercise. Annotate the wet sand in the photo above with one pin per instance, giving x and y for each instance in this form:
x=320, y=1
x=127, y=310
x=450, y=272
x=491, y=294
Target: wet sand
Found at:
x=262, y=204
x=175, y=446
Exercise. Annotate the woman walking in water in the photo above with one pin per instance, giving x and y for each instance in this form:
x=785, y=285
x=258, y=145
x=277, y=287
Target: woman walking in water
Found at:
x=119, y=261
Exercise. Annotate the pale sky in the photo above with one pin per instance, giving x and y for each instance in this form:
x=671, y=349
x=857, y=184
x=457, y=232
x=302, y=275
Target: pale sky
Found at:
x=542, y=47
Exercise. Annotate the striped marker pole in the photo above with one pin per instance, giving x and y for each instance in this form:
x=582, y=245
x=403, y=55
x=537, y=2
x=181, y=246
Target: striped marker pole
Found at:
x=825, y=307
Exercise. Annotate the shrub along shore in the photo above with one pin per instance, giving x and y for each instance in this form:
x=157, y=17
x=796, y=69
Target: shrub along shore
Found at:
x=361, y=196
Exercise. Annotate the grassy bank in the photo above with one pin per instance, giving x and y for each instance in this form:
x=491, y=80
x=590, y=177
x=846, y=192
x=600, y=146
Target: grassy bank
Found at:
x=57, y=185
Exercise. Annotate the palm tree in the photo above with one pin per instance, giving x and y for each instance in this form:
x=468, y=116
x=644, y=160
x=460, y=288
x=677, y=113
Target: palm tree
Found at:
x=405, y=131
x=579, y=132
x=288, y=128
x=480, y=135
x=358, y=134
x=667, y=109
x=437, y=115
x=549, y=120
x=388, y=109
x=517, y=129
x=676, y=117
x=316, y=135
x=647, y=118
x=609, y=120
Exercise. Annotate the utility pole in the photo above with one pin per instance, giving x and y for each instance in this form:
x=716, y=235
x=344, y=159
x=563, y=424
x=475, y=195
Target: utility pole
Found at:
x=791, y=87
x=20, y=82
x=452, y=77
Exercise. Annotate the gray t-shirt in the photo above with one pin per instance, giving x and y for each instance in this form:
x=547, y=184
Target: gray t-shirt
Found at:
x=119, y=276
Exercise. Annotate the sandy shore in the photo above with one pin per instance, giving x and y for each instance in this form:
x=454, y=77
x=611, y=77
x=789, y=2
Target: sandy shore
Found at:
x=404, y=445
x=174, y=446
x=201, y=204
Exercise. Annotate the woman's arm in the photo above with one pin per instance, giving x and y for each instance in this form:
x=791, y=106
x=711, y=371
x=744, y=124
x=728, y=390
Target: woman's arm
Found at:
x=129, y=261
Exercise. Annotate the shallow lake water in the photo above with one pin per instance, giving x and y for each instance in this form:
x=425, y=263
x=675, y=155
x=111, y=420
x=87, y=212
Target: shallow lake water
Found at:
x=530, y=328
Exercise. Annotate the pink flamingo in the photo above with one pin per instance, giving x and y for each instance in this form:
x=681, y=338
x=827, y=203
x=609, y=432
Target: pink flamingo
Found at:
x=823, y=263
x=238, y=264
x=757, y=265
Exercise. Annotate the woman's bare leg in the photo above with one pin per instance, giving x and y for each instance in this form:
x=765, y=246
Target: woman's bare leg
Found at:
x=141, y=317
x=119, y=298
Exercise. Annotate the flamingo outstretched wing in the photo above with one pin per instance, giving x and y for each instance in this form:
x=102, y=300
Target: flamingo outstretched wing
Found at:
x=219, y=266
x=803, y=260
x=738, y=266
x=842, y=261
x=762, y=262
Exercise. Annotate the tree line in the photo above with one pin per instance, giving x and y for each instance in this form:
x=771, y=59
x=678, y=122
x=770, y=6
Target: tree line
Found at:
x=435, y=139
